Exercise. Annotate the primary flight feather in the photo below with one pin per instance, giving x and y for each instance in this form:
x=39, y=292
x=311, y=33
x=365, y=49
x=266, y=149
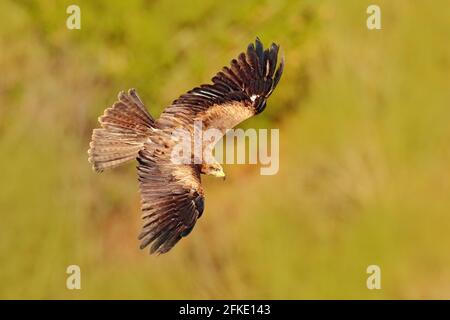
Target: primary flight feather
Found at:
x=172, y=196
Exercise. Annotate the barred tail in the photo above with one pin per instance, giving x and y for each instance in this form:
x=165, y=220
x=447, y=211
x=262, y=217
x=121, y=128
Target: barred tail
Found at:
x=125, y=128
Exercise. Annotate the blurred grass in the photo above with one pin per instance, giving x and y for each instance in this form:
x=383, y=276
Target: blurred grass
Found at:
x=364, y=171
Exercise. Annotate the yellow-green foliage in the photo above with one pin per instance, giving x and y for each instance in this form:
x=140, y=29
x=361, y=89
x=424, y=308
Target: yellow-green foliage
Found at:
x=365, y=158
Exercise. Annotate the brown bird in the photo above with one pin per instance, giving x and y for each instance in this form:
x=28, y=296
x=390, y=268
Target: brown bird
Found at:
x=172, y=196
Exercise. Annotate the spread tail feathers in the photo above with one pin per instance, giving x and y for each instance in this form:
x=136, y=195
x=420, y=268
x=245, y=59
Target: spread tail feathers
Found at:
x=125, y=128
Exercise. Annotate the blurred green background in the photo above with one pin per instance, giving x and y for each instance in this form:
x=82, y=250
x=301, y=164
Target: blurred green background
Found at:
x=365, y=157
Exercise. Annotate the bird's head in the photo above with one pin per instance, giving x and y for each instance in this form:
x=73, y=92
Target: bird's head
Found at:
x=213, y=169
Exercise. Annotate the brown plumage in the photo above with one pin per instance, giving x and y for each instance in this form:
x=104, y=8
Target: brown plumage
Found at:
x=172, y=194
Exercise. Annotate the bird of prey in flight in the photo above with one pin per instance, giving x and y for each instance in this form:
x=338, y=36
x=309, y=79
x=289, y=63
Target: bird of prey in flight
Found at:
x=172, y=196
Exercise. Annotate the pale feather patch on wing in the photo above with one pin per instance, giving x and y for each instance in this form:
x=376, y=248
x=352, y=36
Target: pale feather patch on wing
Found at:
x=226, y=116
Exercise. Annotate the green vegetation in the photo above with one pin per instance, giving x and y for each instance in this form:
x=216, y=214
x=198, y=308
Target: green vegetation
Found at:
x=365, y=156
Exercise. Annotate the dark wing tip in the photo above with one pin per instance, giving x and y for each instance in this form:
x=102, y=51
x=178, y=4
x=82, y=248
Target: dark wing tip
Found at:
x=269, y=71
x=279, y=72
x=258, y=43
x=259, y=49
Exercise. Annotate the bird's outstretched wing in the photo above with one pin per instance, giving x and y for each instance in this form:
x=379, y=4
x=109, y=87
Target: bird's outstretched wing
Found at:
x=236, y=93
x=172, y=199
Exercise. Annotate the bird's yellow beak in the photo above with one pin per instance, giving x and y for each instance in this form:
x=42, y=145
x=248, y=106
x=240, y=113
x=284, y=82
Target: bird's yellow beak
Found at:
x=220, y=174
